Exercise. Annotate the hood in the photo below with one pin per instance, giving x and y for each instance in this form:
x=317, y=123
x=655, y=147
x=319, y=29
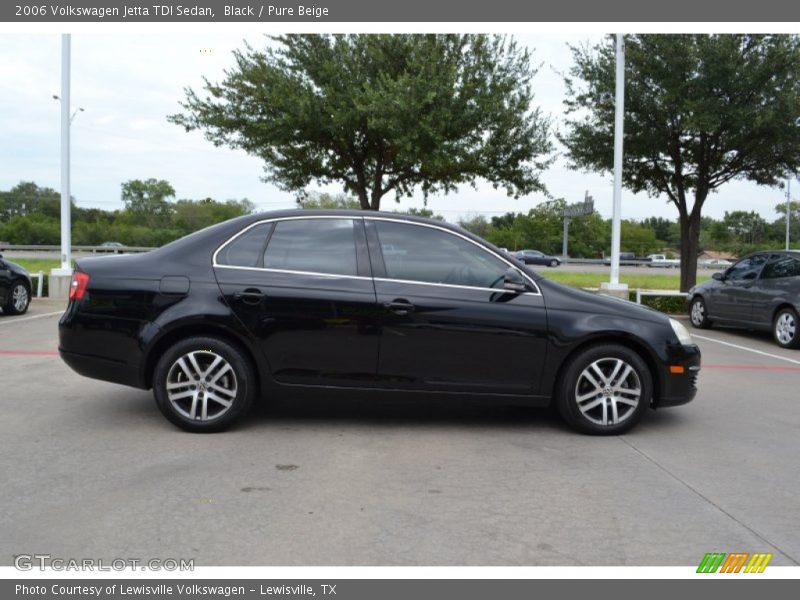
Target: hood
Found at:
x=566, y=298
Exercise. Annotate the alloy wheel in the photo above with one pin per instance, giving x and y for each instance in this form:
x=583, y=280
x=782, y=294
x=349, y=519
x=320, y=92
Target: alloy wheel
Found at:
x=698, y=313
x=608, y=391
x=20, y=298
x=785, y=328
x=201, y=385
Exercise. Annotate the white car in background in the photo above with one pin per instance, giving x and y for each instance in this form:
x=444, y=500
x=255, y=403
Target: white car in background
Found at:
x=716, y=263
x=661, y=261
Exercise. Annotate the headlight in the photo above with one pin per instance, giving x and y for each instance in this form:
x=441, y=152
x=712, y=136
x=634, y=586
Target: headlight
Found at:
x=683, y=334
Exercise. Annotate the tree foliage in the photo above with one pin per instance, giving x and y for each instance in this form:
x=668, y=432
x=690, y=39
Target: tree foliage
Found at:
x=700, y=110
x=380, y=113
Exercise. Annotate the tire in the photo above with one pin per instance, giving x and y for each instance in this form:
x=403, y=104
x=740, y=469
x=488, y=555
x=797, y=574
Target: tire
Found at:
x=588, y=395
x=212, y=382
x=554, y=263
x=18, y=300
x=786, y=328
x=698, y=313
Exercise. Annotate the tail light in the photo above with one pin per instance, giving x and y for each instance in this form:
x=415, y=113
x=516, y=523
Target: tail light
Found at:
x=78, y=285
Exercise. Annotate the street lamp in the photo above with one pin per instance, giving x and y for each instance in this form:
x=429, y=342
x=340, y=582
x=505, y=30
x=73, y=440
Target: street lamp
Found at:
x=77, y=110
x=60, y=278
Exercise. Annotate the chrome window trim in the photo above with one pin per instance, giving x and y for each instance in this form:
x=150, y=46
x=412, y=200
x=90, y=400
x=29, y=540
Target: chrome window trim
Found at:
x=291, y=272
x=463, y=237
x=222, y=246
x=452, y=285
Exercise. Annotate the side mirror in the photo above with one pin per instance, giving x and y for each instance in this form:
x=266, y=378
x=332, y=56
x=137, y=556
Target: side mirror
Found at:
x=513, y=281
x=718, y=276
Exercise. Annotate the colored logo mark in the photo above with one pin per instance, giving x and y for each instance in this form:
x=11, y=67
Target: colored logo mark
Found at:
x=735, y=562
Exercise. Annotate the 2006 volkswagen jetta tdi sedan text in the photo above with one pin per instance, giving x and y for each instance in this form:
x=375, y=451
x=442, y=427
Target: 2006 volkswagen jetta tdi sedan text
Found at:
x=379, y=303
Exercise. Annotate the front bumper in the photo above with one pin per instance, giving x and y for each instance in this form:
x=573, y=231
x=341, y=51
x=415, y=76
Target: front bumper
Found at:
x=680, y=388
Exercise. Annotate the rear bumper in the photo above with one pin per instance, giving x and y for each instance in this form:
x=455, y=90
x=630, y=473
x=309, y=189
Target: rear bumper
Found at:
x=98, y=367
x=680, y=388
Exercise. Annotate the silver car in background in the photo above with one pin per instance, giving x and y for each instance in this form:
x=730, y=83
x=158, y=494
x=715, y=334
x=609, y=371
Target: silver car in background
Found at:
x=761, y=292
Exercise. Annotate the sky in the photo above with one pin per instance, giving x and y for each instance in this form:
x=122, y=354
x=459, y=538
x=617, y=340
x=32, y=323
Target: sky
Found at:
x=127, y=84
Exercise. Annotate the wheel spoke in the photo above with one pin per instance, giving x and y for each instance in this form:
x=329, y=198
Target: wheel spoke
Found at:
x=220, y=373
x=184, y=367
x=181, y=395
x=599, y=372
x=221, y=390
x=588, y=396
x=204, y=410
x=193, y=410
x=617, y=366
x=591, y=405
x=218, y=400
x=614, y=413
x=198, y=372
x=213, y=366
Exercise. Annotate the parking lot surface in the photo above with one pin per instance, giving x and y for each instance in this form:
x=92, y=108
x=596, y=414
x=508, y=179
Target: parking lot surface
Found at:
x=93, y=470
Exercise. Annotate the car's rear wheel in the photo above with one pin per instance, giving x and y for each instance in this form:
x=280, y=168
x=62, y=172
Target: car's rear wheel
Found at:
x=604, y=390
x=785, y=328
x=19, y=299
x=204, y=384
x=698, y=313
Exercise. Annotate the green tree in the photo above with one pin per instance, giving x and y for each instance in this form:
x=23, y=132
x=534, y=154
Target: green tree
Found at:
x=146, y=202
x=479, y=225
x=422, y=212
x=193, y=215
x=700, y=110
x=27, y=198
x=381, y=113
x=325, y=200
x=747, y=228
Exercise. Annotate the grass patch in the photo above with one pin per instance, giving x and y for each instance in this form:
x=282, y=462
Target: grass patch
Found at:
x=34, y=265
x=634, y=280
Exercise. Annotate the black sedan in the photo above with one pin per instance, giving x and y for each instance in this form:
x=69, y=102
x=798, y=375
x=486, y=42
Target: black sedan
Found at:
x=534, y=257
x=15, y=288
x=761, y=291
x=278, y=302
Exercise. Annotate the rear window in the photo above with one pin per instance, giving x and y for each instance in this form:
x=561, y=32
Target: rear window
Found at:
x=247, y=249
x=313, y=245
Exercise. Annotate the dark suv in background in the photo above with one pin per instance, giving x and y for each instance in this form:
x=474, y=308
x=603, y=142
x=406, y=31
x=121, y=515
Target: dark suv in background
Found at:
x=761, y=291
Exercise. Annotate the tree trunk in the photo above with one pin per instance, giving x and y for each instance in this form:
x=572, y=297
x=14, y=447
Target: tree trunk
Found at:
x=690, y=242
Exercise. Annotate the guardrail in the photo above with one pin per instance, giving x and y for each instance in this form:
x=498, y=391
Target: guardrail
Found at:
x=51, y=248
x=641, y=292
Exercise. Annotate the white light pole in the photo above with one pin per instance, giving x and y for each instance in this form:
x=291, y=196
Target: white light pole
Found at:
x=59, y=278
x=614, y=287
x=788, y=209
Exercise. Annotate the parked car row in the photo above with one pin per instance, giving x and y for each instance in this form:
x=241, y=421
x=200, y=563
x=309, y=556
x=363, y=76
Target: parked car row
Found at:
x=761, y=292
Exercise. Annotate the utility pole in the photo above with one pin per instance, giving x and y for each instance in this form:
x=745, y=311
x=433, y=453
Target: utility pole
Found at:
x=614, y=287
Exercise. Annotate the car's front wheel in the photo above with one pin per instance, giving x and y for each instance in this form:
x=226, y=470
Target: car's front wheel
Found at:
x=554, y=263
x=604, y=390
x=698, y=313
x=785, y=328
x=19, y=299
x=204, y=384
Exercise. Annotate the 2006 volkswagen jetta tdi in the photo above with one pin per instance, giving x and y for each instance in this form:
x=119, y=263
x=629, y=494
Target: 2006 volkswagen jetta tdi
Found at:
x=378, y=303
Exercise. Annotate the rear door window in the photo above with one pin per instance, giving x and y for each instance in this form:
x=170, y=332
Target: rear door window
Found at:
x=314, y=246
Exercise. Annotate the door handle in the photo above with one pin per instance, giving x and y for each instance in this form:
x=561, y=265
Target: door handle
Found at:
x=399, y=307
x=249, y=296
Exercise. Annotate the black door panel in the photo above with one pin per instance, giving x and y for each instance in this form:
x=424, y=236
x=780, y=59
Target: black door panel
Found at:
x=460, y=339
x=311, y=328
